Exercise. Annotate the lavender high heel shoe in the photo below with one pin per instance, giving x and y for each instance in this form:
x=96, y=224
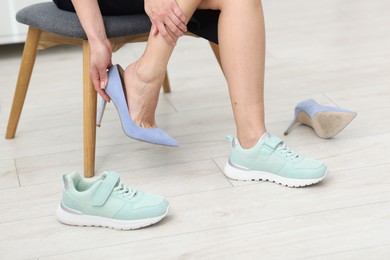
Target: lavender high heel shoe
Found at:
x=115, y=90
x=326, y=121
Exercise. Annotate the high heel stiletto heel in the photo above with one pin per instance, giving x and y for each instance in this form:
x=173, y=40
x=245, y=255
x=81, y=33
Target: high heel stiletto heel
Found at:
x=115, y=90
x=326, y=121
x=100, y=113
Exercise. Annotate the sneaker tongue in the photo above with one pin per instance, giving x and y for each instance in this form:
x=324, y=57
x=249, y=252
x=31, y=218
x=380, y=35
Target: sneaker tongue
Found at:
x=265, y=136
x=262, y=139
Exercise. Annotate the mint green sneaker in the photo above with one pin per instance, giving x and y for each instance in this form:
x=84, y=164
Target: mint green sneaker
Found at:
x=271, y=160
x=106, y=202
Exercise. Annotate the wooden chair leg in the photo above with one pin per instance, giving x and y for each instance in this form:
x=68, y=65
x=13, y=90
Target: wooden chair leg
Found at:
x=89, y=107
x=166, y=84
x=25, y=71
x=215, y=49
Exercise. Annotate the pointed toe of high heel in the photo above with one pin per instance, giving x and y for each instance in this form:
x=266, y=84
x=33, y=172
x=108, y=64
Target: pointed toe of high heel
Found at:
x=149, y=135
x=115, y=91
x=325, y=120
x=153, y=135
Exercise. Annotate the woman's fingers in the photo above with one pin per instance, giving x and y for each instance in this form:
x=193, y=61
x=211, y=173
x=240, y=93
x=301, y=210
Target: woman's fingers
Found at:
x=165, y=34
x=99, y=80
x=154, y=30
x=167, y=19
x=179, y=14
x=179, y=27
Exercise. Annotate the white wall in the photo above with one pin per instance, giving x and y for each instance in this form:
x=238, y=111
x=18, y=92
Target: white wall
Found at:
x=10, y=30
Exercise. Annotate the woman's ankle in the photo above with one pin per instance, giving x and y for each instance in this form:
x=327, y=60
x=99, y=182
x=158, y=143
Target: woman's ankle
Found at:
x=250, y=140
x=149, y=72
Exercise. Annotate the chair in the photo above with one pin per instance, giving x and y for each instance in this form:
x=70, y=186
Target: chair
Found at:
x=50, y=26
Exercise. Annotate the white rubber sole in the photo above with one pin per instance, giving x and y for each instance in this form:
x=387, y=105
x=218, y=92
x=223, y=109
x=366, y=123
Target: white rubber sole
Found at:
x=247, y=175
x=71, y=217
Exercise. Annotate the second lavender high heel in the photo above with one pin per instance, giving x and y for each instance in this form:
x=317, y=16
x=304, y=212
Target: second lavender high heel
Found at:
x=115, y=90
x=325, y=120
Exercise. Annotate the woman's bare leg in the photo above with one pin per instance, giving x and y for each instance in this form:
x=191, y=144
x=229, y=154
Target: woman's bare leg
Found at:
x=143, y=78
x=241, y=36
x=242, y=49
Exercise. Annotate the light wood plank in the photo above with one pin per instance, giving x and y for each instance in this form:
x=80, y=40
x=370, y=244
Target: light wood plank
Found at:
x=208, y=210
x=283, y=238
x=8, y=174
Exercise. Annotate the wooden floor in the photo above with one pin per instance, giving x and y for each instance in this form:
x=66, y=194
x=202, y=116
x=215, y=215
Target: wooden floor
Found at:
x=337, y=52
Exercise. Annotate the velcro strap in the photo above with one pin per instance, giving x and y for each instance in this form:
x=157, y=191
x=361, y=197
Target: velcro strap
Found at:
x=105, y=189
x=272, y=142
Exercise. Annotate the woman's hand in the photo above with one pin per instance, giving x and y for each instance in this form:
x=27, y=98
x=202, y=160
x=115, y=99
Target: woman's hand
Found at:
x=91, y=19
x=100, y=61
x=167, y=19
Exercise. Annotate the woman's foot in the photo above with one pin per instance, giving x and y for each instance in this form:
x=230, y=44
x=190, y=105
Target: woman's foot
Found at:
x=116, y=90
x=142, y=92
x=271, y=160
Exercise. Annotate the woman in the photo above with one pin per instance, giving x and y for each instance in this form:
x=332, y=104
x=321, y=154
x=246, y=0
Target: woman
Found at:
x=256, y=155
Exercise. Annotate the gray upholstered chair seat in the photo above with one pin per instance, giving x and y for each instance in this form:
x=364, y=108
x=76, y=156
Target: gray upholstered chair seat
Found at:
x=47, y=17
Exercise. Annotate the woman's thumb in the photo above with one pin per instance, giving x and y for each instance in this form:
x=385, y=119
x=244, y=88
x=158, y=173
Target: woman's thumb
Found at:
x=103, y=78
x=154, y=29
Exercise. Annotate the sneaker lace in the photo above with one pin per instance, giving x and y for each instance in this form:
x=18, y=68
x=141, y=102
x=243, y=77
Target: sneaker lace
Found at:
x=287, y=152
x=125, y=191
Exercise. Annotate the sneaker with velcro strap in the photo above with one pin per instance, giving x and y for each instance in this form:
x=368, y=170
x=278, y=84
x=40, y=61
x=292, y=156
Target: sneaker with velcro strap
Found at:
x=106, y=201
x=271, y=160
